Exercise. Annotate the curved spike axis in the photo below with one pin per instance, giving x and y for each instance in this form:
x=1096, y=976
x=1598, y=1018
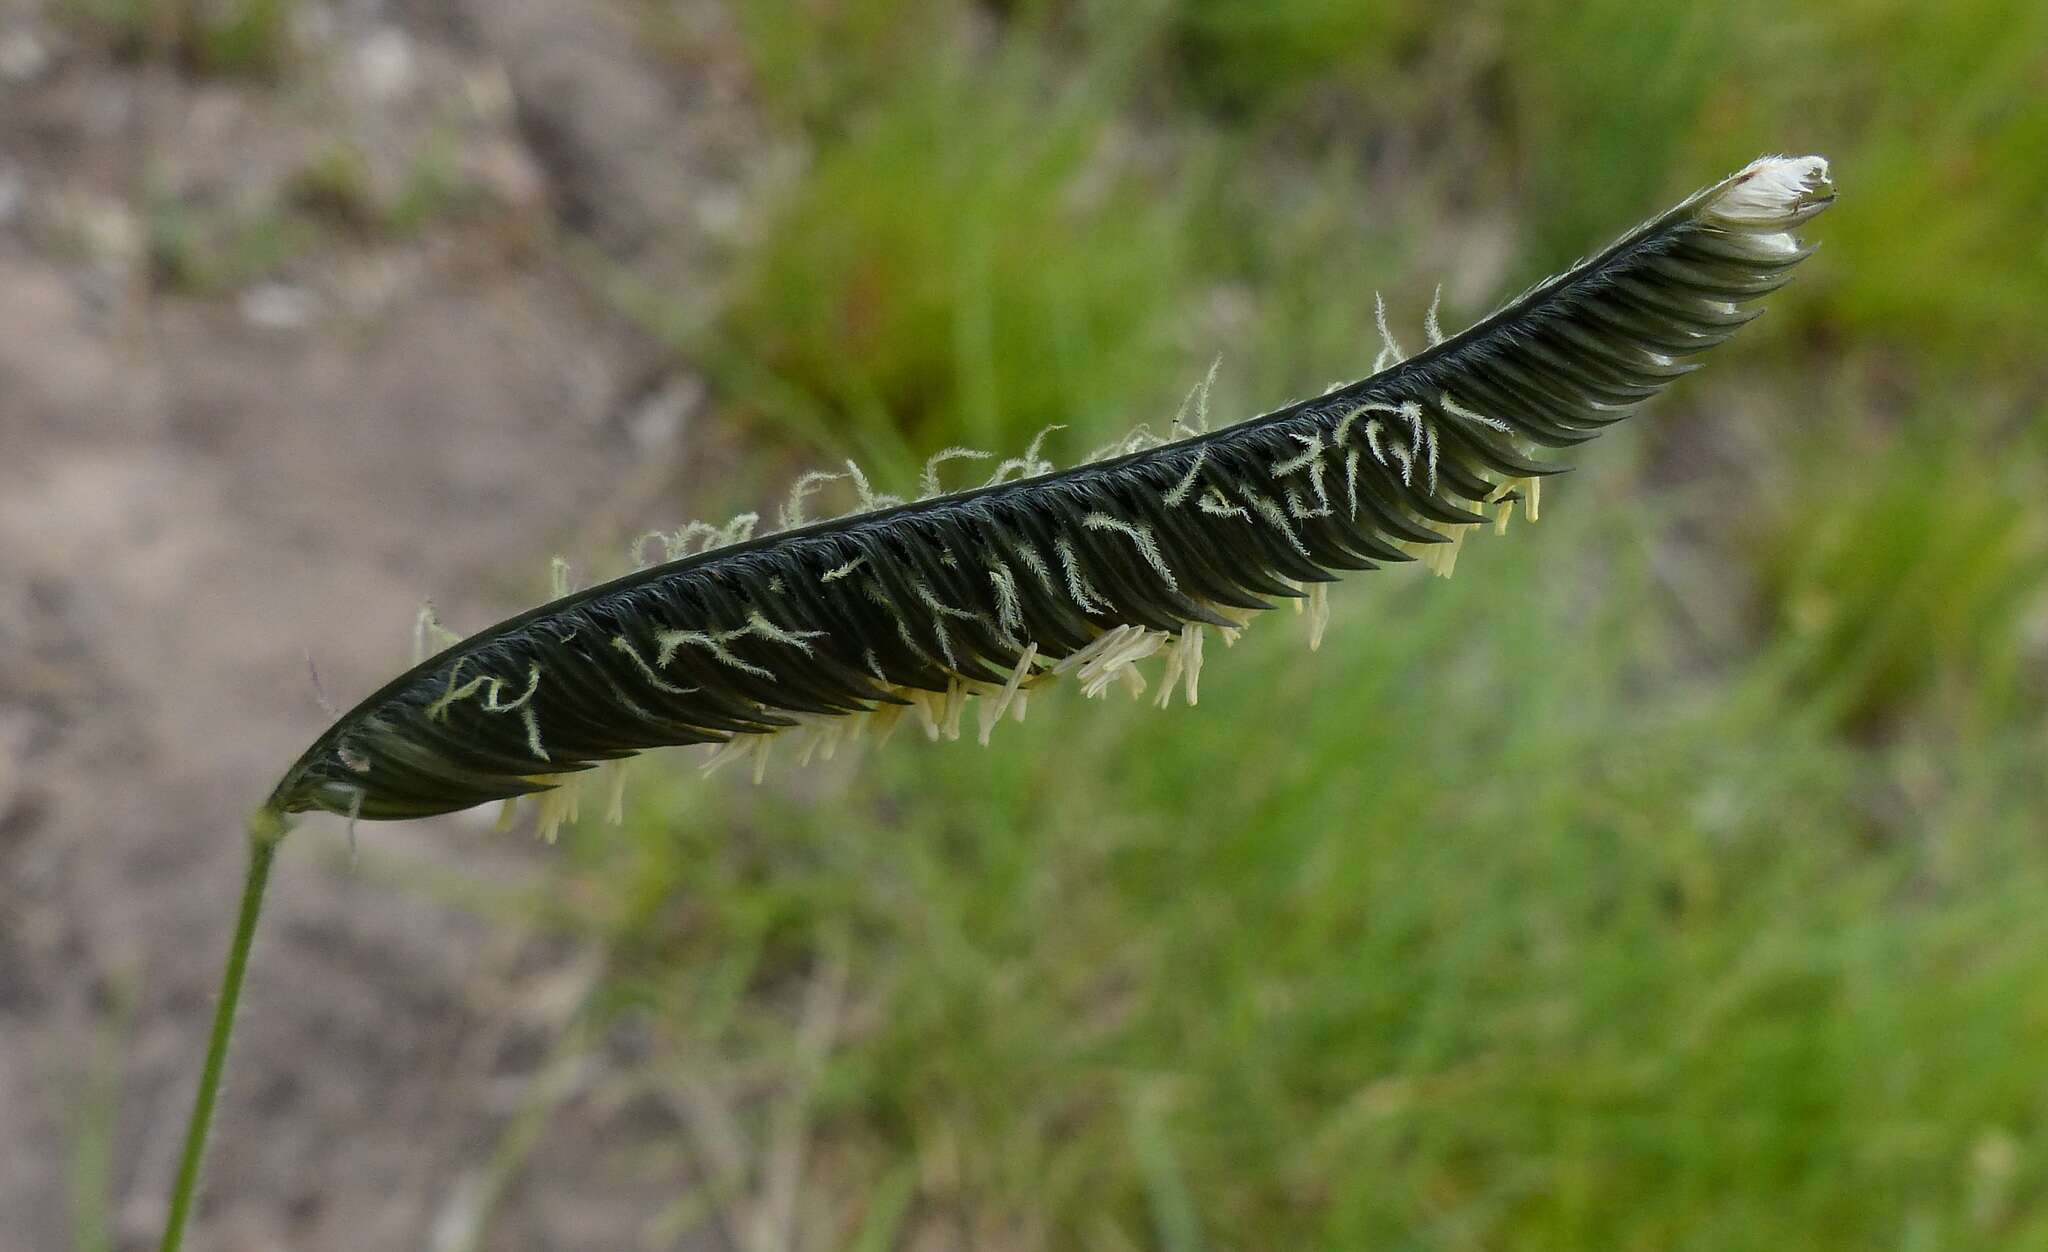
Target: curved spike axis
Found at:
x=987, y=593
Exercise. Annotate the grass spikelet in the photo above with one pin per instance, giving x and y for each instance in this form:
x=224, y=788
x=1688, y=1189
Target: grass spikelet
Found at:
x=1092, y=572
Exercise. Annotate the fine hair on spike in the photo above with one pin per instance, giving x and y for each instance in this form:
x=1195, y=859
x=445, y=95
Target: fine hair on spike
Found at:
x=910, y=609
x=320, y=696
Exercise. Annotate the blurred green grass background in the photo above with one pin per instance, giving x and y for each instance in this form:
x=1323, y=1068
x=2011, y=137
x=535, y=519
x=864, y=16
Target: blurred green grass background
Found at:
x=1673, y=877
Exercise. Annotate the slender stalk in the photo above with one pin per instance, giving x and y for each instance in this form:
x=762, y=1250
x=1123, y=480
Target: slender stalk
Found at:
x=266, y=829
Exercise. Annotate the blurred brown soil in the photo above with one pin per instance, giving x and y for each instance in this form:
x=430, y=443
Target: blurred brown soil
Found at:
x=205, y=481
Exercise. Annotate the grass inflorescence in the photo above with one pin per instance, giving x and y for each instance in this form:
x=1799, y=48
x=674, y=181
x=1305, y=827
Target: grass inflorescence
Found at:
x=819, y=629
x=920, y=605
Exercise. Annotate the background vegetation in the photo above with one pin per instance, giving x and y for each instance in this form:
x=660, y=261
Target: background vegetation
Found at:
x=1671, y=878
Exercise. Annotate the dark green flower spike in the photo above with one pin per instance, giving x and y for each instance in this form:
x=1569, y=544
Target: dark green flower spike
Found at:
x=812, y=634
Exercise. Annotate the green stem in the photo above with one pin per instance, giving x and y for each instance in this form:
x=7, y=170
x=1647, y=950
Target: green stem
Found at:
x=265, y=831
